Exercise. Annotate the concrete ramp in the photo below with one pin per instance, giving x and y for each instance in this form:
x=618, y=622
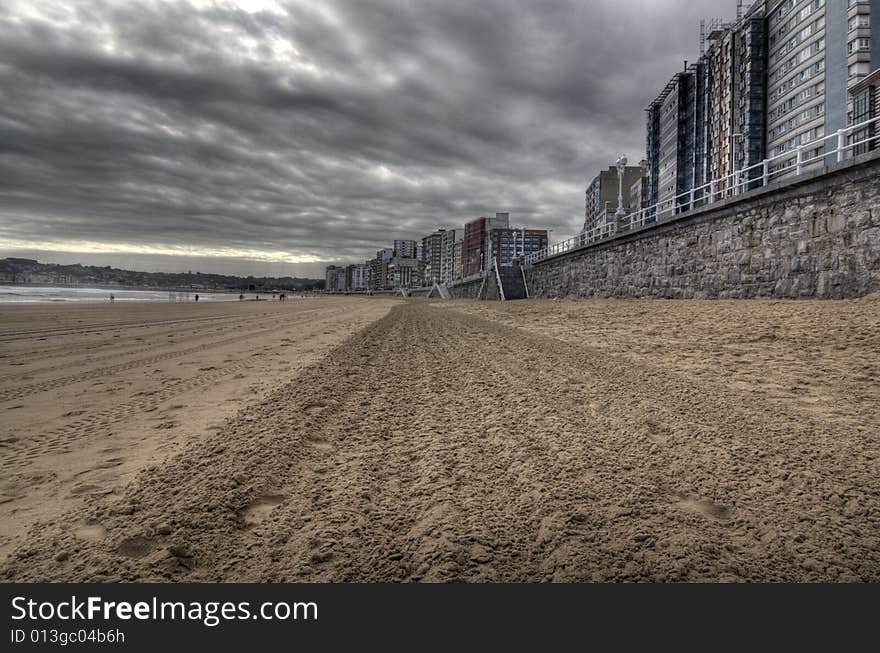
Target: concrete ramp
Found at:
x=439, y=290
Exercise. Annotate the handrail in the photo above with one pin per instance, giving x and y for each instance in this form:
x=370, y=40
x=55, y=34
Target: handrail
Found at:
x=731, y=185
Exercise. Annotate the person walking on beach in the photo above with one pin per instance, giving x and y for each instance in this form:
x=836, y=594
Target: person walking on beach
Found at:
x=197, y=298
x=112, y=297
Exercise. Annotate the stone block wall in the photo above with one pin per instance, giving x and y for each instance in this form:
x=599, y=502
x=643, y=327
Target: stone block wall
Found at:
x=471, y=289
x=819, y=237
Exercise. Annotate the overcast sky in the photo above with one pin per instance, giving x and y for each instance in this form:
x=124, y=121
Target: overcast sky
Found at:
x=274, y=137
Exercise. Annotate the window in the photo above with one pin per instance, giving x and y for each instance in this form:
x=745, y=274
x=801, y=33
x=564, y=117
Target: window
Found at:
x=857, y=45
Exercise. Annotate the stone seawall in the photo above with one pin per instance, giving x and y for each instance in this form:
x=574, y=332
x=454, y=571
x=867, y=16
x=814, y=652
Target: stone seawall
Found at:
x=471, y=289
x=818, y=237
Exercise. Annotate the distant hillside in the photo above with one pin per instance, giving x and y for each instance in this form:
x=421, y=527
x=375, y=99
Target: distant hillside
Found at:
x=20, y=270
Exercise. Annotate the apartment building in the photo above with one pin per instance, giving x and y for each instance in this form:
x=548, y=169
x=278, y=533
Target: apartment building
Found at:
x=638, y=190
x=432, y=257
x=675, y=125
x=357, y=277
x=477, y=244
x=818, y=50
x=804, y=78
x=458, y=261
x=404, y=273
x=600, y=199
x=406, y=248
x=379, y=269
x=510, y=243
x=335, y=279
x=330, y=278
x=449, y=269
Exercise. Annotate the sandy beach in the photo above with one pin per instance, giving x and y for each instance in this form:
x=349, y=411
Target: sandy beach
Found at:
x=354, y=439
x=92, y=394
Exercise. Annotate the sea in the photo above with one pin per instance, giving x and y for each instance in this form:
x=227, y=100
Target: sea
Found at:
x=78, y=295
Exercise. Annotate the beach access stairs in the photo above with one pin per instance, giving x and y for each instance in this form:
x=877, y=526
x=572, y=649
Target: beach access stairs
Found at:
x=513, y=282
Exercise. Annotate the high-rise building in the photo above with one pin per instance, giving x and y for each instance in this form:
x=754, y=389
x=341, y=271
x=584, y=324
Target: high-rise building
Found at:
x=779, y=83
x=638, y=190
x=602, y=194
x=432, y=257
x=511, y=243
x=798, y=111
x=379, y=270
x=475, y=250
x=358, y=277
x=734, y=93
x=458, y=259
x=447, y=255
x=715, y=159
x=675, y=142
x=405, y=249
x=750, y=91
x=817, y=50
x=334, y=278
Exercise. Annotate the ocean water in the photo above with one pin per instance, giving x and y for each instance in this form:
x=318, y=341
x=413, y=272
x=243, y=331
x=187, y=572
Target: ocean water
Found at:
x=46, y=294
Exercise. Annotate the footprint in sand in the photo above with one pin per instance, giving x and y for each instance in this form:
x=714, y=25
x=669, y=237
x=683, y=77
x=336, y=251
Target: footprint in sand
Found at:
x=314, y=409
x=319, y=443
x=260, y=508
x=90, y=532
x=136, y=546
x=705, y=508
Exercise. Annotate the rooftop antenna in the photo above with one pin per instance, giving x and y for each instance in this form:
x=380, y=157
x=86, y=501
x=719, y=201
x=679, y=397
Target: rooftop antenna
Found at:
x=702, y=37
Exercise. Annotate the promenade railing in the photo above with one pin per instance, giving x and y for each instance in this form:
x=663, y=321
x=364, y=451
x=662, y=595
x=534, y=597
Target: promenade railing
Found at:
x=733, y=185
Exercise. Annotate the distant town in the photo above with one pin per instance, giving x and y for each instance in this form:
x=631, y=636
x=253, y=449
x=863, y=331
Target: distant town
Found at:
x=445, y=256
x=28, y=271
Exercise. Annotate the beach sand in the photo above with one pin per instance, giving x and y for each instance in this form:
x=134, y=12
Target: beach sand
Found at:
x=457, y=441
x=92, y=394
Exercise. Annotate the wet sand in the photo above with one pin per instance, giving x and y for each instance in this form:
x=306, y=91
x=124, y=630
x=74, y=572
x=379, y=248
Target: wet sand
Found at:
x=526, y=441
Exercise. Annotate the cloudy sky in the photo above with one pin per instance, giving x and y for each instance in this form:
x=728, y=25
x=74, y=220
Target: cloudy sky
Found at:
x=274, y=137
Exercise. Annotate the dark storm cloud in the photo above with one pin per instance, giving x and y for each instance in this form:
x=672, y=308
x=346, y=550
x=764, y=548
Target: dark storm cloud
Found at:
x=317, y=131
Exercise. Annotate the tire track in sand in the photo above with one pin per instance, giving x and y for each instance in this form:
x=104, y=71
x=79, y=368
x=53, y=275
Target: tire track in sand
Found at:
x=439, y=446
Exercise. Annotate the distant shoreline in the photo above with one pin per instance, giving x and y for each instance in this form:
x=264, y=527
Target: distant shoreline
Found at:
x=98, y=286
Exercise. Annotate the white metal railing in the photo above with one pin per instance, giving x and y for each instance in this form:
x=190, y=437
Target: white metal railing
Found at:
x=732, y=185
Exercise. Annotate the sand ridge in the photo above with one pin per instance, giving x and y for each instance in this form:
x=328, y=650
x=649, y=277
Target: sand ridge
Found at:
x=439, y=445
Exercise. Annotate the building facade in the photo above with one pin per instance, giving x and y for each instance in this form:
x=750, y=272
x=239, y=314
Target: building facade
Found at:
x=817, y=51
x=638, y=190
x=675, y=137
x=406, y=248
x=602, y=194
x=432, y=257
x=358, y=277
x=511, y=243
x=404, y=273
x=797, y=63
x=335, y=279
x=865, y=106
x=330, y=278
x=477, y=243
x=449, y=270
x=458, y=259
